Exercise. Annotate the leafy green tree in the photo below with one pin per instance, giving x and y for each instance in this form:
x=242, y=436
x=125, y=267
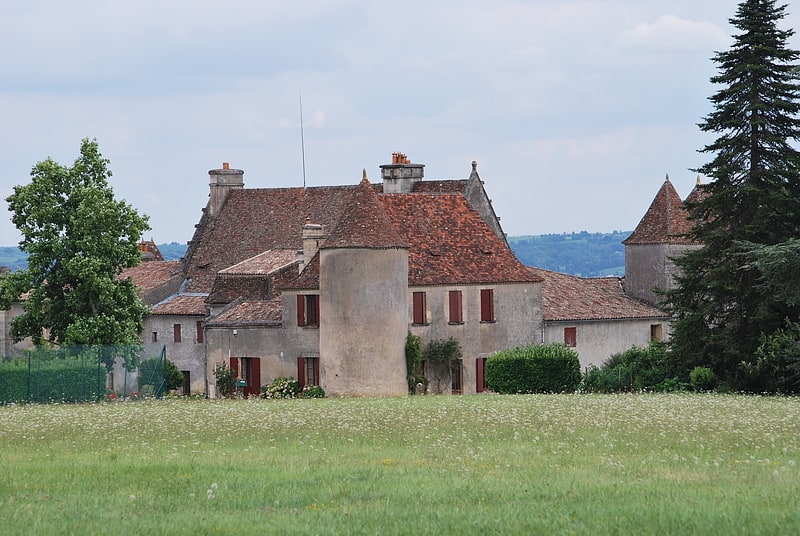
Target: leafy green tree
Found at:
x=442, y=358
x=720, y=309
x=78, y=239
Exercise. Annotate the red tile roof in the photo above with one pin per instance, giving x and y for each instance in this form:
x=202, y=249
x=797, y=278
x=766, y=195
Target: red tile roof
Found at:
x=450, y=243
x=250, y=312
x=152, y=274
x=264, y=263
x=665, y=222
x=182, y=305
x=567, y=297
x=252, y=221
x=364, y=223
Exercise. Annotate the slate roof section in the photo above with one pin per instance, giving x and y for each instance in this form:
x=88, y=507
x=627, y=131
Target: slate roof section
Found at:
x=364, y=223
x=567, y=297
x=182, y=305
x=249, y=312
x=665, y=222
x=449, y=243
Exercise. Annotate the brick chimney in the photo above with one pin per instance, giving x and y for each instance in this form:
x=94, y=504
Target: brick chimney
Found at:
x=399, y=176
x=313, y=236
x=222, y=181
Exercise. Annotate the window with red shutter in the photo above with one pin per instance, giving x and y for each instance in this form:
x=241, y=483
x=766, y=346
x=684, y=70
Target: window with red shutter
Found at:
x=200, y=331
x=487, y=305
x=308, y=310
x=456, y=315
x=480, y=375
x=418, y=306
x=571, y=337
x=176, y=332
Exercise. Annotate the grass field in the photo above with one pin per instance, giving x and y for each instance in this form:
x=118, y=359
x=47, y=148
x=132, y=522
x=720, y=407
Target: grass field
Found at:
x=549, y=464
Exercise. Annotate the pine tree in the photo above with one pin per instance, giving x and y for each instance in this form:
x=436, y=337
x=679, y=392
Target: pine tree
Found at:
x=720, y=309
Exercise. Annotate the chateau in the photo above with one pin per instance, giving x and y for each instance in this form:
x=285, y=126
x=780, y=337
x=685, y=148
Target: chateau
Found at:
x=323, y=284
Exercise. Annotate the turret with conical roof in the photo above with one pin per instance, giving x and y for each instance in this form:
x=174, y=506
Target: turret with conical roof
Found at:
x=660, y=237
x=363, y=286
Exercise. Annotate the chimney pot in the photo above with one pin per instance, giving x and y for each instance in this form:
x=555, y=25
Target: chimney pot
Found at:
x=226, y=165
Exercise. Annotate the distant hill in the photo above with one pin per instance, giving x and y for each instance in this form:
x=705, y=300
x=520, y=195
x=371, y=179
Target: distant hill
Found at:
x=583, y=254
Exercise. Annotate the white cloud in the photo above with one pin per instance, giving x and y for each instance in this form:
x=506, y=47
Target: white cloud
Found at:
x=674, y=33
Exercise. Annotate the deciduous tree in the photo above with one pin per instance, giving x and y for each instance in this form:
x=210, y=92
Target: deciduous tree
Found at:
x=78, y=239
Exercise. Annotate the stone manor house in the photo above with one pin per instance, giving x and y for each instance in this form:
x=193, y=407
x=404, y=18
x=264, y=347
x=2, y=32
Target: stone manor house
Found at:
x=323, y=284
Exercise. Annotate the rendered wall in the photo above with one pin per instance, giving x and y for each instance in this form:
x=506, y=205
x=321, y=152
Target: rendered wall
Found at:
x=363, y=321
x=518, y=322
x=597, y=340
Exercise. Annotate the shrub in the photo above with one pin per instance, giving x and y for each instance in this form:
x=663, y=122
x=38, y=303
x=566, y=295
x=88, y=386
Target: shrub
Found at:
x=635, y=369
x=703, y=379
x=414, y=363
x=312, y=392
x=442, y=358
x=163, y=376
x=282, y=387
x=553, y=368
x=226, y=380
x=45, y=376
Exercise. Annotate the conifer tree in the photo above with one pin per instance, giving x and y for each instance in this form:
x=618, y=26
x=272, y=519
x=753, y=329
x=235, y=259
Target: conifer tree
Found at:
x=721, y=307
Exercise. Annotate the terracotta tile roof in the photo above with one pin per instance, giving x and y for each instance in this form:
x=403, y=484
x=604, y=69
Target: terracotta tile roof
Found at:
x=449, y=243
x=364, y=223
x=567, y=297
x=150, y=275
x=665, y=222
x=182, y=305
x=252, y=221
x=249, y=312
x=264, y=263
x=309, y=279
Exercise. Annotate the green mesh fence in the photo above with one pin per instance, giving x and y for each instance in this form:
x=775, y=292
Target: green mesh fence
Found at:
x=81, y=374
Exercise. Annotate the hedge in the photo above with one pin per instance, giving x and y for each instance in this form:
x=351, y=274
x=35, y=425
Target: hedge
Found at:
x=552, y=368
x=68, y=379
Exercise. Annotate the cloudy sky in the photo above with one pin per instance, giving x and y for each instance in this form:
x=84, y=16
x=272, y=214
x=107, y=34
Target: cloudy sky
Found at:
x=574, y=110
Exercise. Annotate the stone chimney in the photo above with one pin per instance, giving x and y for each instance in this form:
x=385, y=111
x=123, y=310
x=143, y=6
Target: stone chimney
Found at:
x=221, y=181
x=313, y=236
x=399, y=176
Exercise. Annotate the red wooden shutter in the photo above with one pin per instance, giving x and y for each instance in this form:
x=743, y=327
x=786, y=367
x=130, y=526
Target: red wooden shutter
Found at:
x=176, y=332
x=301, y=371
x=199, y=331
x=487, y=305
x=419, y=307
x=455, y=306
x=301, y=310
x=254, y=386
x=235, y=366
x=316, y=371
x=571, y=337
x=480, y=370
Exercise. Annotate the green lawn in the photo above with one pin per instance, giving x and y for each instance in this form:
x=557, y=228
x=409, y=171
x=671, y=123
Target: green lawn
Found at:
x=540, y=464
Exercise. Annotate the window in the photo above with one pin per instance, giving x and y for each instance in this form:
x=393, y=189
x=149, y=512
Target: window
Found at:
x=480, y=375
x=487, y=305
x=308, y=310
x=176, y=332
x=308, y=371
x=155, y=336
x=655, y=332
x=418, y=305
x=199, y=325
x=571, y=337
x=455, y=307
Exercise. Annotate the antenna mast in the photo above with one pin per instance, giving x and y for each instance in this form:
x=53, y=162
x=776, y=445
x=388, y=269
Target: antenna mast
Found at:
x=302, y=141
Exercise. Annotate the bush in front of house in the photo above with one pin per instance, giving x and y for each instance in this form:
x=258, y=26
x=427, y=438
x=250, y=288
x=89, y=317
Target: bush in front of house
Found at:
x=46, y=376
x=312, y=391
x=281, y=387
x=552, y=368
x=703, y=379
x=162, y=375
x=635, y=369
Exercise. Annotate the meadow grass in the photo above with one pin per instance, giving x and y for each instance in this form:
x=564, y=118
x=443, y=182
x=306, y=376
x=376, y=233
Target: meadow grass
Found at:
x=483, y=464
